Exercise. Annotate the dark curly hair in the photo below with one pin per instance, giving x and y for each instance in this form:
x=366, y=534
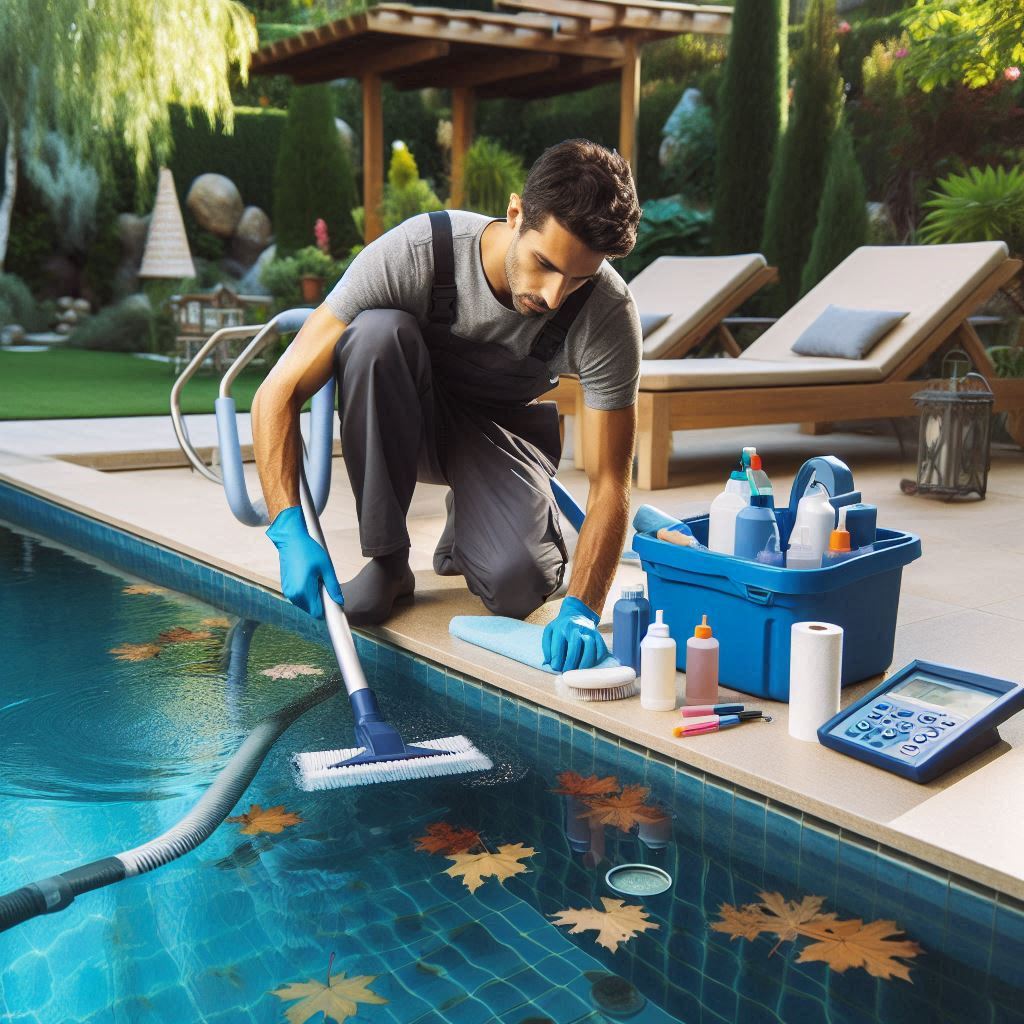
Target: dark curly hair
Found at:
x=589, y=190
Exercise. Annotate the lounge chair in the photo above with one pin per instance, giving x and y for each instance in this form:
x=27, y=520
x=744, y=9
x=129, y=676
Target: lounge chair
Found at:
x=697, y=293
x=940, y=285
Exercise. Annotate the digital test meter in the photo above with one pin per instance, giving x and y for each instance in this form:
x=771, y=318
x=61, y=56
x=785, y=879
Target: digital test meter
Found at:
x=924, y=720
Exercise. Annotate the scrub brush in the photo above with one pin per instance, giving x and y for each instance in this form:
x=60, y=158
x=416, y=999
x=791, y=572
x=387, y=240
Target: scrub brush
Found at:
x=589, y=684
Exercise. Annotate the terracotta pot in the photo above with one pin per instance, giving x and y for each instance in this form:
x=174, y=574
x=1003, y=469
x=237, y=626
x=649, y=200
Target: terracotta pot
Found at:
x=312, y=287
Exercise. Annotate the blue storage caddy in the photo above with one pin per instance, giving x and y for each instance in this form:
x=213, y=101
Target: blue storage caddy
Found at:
x=752, y=607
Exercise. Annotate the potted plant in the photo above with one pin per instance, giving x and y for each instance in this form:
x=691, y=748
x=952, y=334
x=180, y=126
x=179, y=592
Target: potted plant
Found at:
x=314, y=267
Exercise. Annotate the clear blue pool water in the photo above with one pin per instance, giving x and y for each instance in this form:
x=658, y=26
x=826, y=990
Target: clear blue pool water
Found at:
x=99, y=754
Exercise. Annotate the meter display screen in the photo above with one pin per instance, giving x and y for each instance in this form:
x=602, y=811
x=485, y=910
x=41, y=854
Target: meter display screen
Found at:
x=958, y=700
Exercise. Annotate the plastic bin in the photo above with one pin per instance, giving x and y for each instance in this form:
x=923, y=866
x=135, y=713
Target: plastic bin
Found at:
x=752, y=607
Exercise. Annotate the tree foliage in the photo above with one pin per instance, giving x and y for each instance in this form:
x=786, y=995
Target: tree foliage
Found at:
x=969, y=41
x=751, y=116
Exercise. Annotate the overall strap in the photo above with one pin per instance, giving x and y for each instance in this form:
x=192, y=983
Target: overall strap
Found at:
x=443, y=292
x=551, y=337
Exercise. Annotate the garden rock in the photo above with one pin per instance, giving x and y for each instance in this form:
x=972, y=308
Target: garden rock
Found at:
x=252, y=235
x=63, y=329
x=65, y=302
x=215, y=203
x=12, y=334
x=132, y=231
x=347, y=136
x=689, y=103
x=69, y=316
x=81, y=307
x=252, y=283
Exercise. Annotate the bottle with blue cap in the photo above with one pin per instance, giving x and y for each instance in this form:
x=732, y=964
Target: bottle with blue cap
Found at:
x=630, y=618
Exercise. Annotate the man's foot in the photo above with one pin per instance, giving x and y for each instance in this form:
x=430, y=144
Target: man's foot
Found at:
x=443, y=564
x=381, y=583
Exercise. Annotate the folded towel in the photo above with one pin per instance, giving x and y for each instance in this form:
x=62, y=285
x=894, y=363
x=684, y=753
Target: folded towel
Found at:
x=512, y=638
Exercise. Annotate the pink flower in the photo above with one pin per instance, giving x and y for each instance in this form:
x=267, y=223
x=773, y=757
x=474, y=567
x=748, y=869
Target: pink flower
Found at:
x=901, y=53
x=323, y=242
x=1011, y=74
x=843, y=28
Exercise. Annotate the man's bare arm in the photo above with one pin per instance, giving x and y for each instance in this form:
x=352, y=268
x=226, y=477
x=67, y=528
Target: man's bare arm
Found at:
x=608, y=456
x=299, y=374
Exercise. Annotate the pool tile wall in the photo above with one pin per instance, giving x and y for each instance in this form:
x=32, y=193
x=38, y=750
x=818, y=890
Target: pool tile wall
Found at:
x=745, y=842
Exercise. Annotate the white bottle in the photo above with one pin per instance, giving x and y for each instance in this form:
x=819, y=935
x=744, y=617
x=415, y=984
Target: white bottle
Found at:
x=724, y=509
x=800, y=554
x=658, y=667
x=815, y=512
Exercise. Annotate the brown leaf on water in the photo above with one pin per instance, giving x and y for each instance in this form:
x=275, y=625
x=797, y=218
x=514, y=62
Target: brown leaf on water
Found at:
x=789, y=917
x=291, y=671
x=338, y=1000
x=573, y=784
x=272, y=819
x=143, y=588
x=746, y=922
x=616, y=923
x=218, y=622
x=475, y=867
x=844, y=944
x=624, y=810
x=180, y=635
x=135, y=652
x=443, y=838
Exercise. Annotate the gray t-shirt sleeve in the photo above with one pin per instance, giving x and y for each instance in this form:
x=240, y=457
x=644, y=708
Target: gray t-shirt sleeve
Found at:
x=390, y=273
x=609, y=363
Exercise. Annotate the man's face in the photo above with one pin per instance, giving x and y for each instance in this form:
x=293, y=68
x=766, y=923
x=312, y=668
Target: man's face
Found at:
x=544, y=267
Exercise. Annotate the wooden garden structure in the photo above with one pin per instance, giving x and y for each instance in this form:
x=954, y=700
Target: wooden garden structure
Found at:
x=542, y=48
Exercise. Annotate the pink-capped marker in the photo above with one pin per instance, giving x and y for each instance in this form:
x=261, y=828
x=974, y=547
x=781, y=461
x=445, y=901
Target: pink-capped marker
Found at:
x=703, y=710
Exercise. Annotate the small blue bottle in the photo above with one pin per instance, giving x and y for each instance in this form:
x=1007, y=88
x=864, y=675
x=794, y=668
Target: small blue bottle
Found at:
x=630, y=618
x=756, y=528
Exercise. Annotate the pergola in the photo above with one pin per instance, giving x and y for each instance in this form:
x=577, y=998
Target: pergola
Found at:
x=545, y=48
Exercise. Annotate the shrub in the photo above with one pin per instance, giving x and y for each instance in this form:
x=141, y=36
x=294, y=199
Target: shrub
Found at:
x=491, y=175
x=126, y=327
x=21, y=307
x=690, y=170
x=667, y=228
x=842, y=214
x=313, y=176
x=751, y=116
x=983, y=204
x=282, y=277
x=798, y=174
x=406, y=194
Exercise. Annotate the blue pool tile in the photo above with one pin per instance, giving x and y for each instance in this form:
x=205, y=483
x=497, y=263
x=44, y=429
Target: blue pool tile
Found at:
x=748, y=837
x=719, y=998
x=490, y=706
x=750, y=1012
x=970, y=923
x=782, y=846
x=687, y=798
x=819, y=860
x=1007, y=943
x=924, y=908
x=856, y=877
x=716, y=824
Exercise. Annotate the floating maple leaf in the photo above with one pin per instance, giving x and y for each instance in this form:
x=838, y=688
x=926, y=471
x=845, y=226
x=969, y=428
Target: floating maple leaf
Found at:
x=573, y=784
x=180, y=635
x=272, y=819
x=475, y=867
x=746, y=922
x=442, y=838
x=292, y=671
x=337, y=1000
x=624, y=810
x=617, y=923
x=853, y=943
x=789, y=917
x=135, y=652
x=216, y=623
x=143, y=588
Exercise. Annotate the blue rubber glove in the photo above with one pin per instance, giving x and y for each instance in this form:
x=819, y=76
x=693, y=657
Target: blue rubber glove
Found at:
x=304, y=564
x=572, y=639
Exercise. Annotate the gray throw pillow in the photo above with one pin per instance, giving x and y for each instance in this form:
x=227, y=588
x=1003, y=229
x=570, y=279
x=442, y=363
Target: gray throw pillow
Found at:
x=846, y=333
x=651, y=322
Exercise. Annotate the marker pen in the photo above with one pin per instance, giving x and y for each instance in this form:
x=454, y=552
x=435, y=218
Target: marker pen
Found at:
x=702, y=710
x=714, y=723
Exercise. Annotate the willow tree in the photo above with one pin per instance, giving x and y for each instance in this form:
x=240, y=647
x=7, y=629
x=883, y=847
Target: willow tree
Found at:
x=105, y=74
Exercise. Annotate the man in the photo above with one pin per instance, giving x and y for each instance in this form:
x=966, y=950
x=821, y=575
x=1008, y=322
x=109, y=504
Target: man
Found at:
x=442, y=334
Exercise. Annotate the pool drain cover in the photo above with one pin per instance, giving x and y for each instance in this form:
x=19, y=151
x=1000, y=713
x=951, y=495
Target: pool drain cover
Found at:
x=638, y=880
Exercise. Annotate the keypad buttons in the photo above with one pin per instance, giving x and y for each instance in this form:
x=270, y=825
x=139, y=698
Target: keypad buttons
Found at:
x=927, y=719
x=905, y=713
x=909, y=749
x=882, y=706
x=931, y=732
x=904, y=727
x=863, y=725
x=875, y=715
x=889, y=734
x=947, y=724
x=920, y=738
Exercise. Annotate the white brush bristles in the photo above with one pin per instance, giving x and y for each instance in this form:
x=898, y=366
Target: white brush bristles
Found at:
x=456, y=754
x=630, y=689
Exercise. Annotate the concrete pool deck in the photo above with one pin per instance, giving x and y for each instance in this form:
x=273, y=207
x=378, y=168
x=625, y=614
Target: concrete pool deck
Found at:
x=961, y=603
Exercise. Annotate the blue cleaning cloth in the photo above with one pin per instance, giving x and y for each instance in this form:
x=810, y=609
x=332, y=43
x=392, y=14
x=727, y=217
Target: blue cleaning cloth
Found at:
x=650, y=520
x=511, y=638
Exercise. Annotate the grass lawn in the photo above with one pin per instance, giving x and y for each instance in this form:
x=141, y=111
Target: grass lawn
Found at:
x=72, y=383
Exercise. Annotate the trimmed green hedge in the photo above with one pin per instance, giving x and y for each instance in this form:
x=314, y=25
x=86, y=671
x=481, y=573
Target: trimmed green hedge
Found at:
x=247, y=157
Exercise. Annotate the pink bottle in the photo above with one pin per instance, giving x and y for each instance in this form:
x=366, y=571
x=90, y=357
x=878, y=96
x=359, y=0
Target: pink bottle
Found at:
x=702, y=666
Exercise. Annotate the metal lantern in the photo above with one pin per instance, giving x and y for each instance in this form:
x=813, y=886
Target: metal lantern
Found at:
x=956, y=428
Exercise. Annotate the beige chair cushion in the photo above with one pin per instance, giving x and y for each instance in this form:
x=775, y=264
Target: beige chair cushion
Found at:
x=929, y=280
x=687, y=288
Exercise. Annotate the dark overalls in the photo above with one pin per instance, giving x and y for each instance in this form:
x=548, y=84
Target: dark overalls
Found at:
x=424, y=404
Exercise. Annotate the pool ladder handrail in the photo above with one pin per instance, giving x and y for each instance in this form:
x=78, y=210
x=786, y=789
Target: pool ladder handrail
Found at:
x=317, y=453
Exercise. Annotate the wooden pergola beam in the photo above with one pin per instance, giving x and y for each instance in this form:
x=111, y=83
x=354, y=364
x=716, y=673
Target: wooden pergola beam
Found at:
x=472, y=73
x=568, y=76
x=463, y=109
x=629, y=105
x=603, y=14
x=373, y=156
x=408, y=55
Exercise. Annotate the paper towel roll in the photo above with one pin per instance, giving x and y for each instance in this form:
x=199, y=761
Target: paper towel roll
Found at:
x=815, y=673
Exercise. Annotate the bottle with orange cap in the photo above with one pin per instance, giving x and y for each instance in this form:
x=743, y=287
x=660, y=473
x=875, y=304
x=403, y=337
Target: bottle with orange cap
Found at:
x=702, y=666
x=838, y=544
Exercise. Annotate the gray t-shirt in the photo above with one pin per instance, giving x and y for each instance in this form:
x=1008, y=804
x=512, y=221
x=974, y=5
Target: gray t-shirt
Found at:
x=395, y=271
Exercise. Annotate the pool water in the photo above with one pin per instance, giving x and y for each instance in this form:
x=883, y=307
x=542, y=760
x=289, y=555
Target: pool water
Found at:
x=101, y=751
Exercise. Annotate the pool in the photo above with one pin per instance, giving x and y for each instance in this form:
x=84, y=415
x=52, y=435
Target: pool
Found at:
x=510, y=919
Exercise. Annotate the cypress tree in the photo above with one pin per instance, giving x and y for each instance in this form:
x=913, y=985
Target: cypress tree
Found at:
x=842, y=214
x=752, y=111
x=798, y=174
x=313, y=177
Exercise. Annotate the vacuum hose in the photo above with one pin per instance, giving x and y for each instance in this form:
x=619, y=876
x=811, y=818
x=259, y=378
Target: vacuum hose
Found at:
x=58, y=891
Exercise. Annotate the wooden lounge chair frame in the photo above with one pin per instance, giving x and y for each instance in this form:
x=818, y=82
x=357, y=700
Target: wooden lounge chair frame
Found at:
x=659, y=413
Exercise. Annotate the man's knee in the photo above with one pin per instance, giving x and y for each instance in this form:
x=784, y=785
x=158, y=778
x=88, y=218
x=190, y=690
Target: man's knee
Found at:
x=521, y=581
x=378, y=337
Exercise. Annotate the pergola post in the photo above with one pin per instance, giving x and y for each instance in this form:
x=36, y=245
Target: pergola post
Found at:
x=629, y=103
x=463, y=110
x=373, y=156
